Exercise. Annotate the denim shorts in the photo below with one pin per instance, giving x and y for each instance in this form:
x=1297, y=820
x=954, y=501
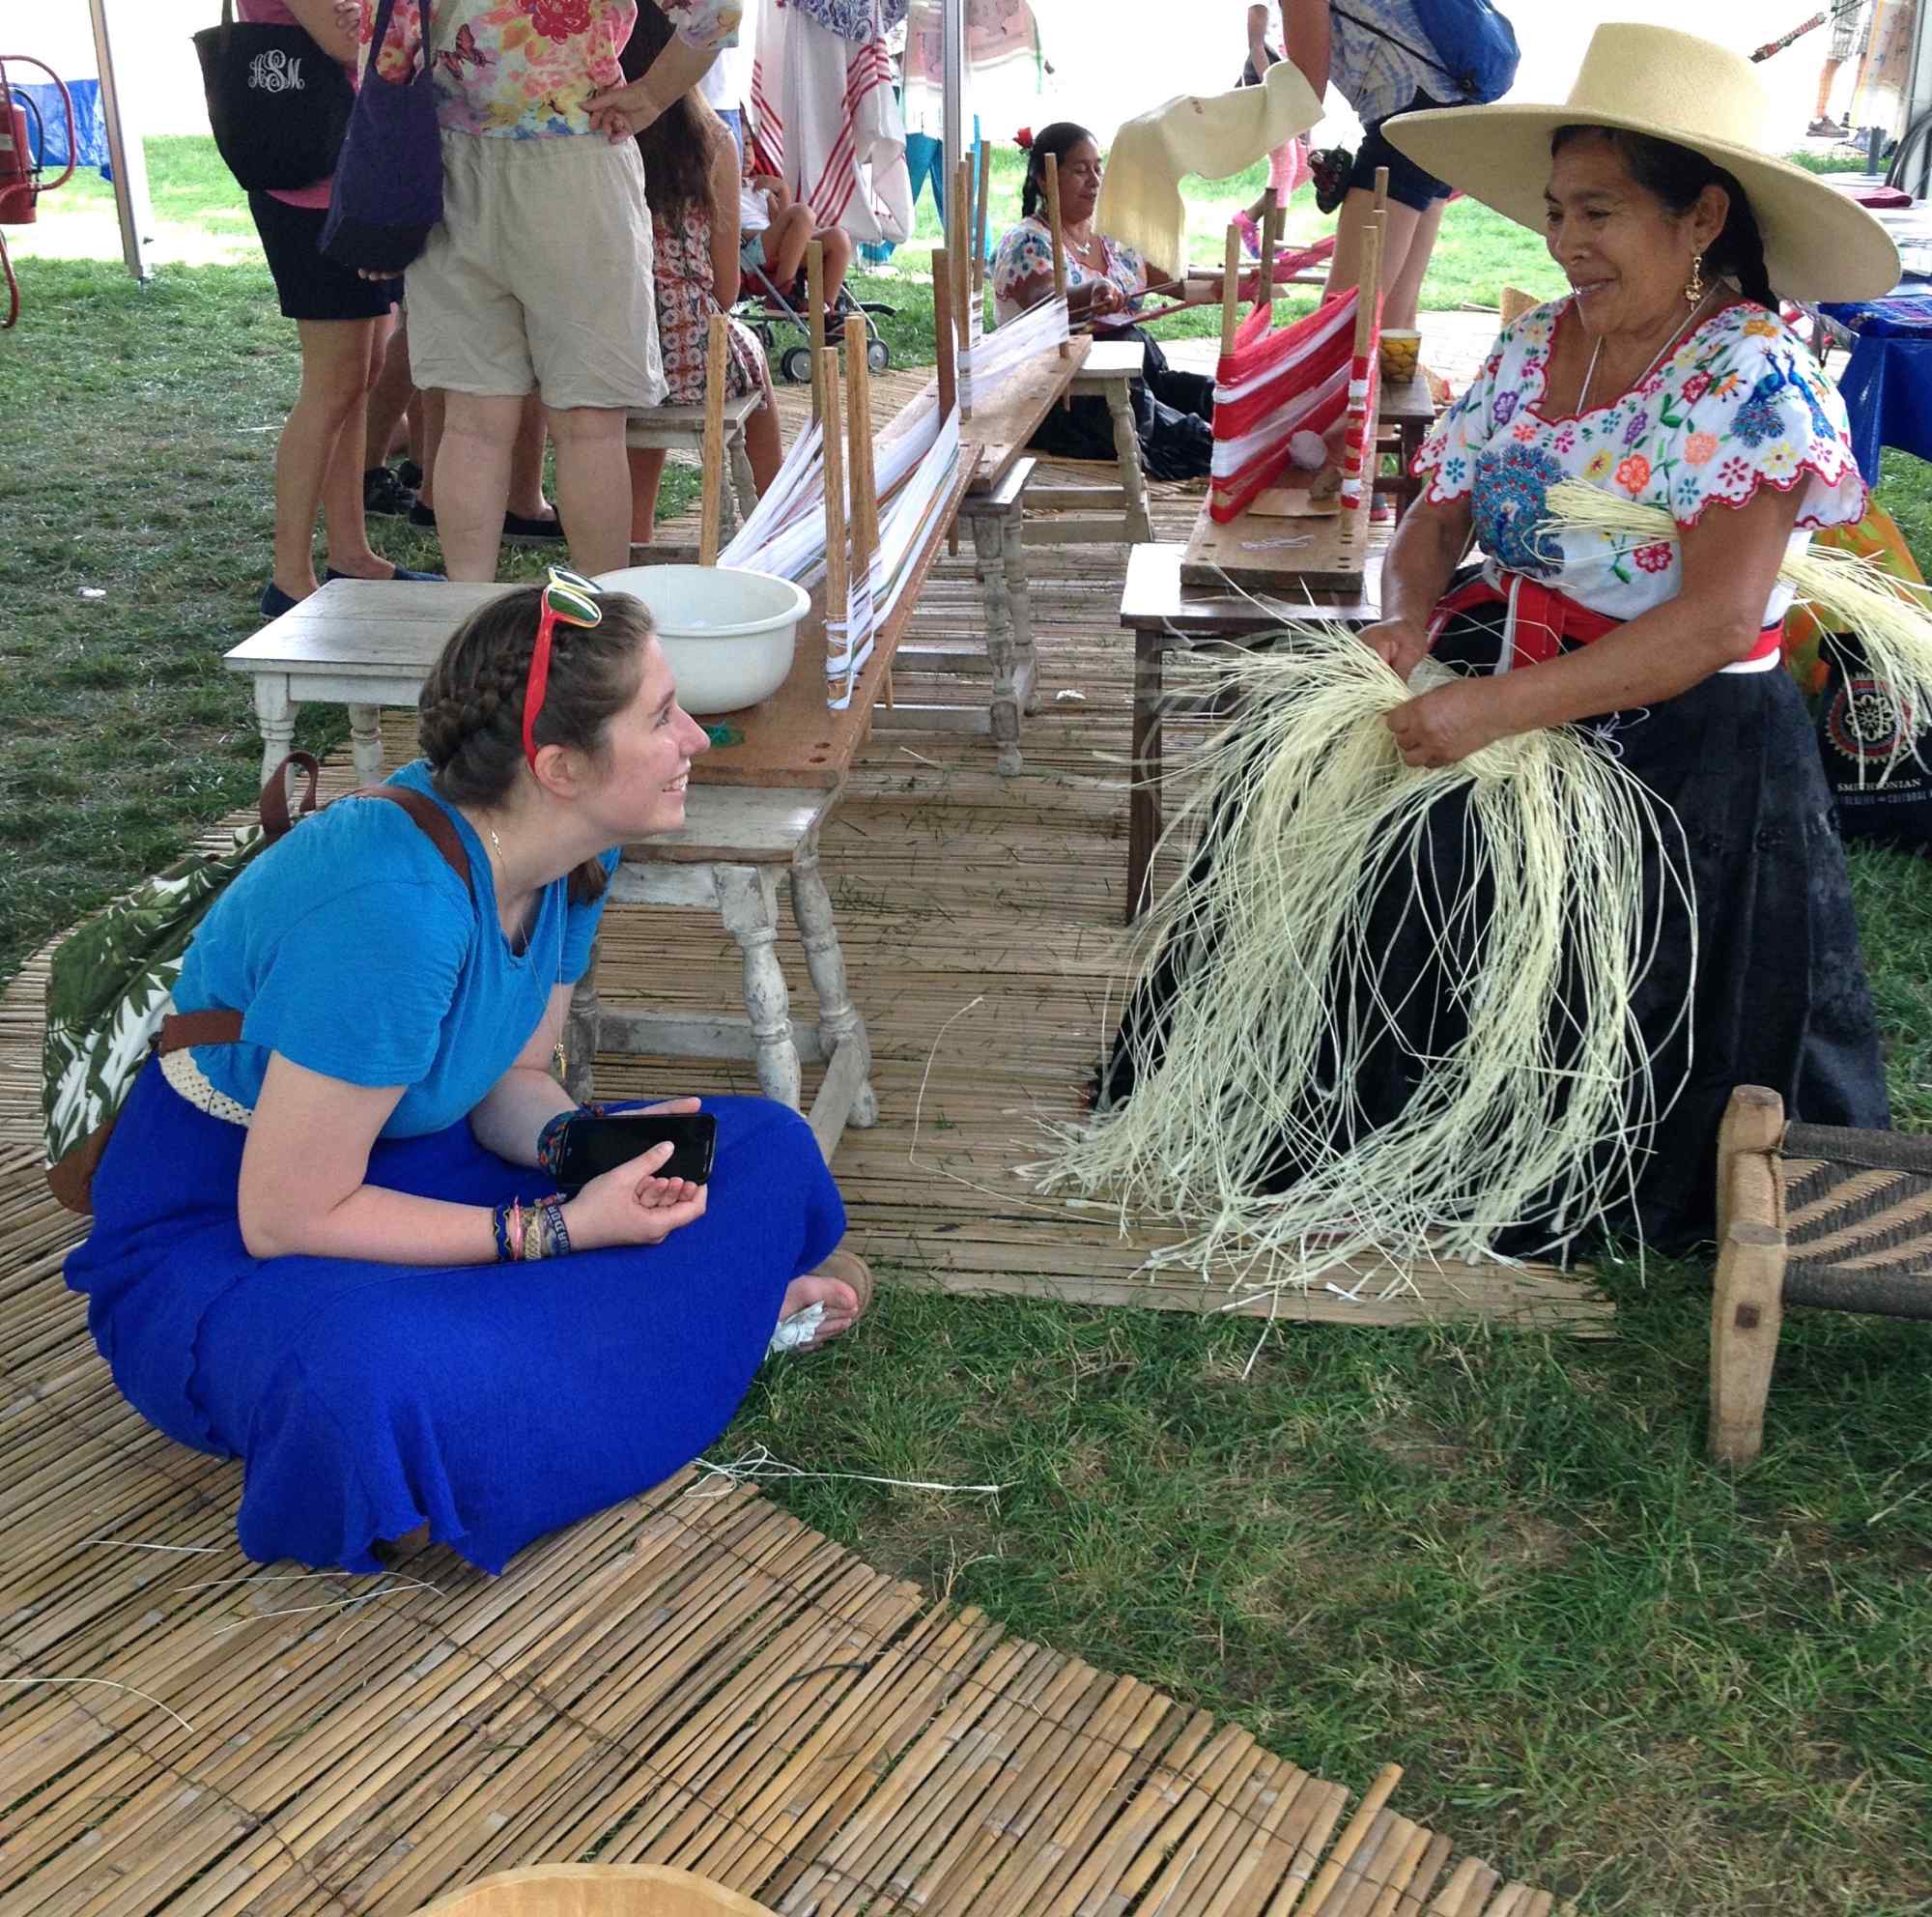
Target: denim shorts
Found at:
x=1408, y=185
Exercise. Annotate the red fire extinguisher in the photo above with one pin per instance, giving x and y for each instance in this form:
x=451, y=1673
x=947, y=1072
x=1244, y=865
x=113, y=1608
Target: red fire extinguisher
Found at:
x=23, y=178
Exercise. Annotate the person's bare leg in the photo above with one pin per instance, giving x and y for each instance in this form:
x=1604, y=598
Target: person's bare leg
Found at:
x=527, y=463
x=837, y=253
x=762, y=447
x=785, y=242
x=433, y=410
x=647, y=465
x=335, y=380
x=1402, y=277
x=1344, y=267
x=389, y=398
x=345, y=529
x=593, y=485
x=472, y=479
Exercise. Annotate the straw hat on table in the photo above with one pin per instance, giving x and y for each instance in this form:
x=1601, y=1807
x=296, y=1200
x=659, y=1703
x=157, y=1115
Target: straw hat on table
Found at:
x=1818, y=245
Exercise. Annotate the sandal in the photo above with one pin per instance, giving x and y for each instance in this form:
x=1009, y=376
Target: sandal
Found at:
x=799, y=1331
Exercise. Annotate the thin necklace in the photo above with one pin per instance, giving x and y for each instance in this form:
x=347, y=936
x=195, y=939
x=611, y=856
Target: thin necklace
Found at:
x=1590, y=371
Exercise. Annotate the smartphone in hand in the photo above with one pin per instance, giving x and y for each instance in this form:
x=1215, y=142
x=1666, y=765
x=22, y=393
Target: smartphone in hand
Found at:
x=592, y=1146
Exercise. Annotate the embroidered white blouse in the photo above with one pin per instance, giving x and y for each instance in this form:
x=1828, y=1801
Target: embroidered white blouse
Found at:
x=1741, y=404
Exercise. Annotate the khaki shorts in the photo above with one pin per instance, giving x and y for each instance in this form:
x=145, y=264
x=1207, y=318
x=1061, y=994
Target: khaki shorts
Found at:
x=539, y=275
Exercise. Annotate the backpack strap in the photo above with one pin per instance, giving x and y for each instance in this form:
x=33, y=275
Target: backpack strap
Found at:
x=182, y=1029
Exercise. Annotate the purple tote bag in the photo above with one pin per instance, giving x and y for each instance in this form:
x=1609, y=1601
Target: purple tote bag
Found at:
x=388, y=191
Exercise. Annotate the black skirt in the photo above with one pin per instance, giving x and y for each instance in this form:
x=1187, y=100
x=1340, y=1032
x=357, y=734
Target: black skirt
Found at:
x=1780, y=996
x=1173, y=418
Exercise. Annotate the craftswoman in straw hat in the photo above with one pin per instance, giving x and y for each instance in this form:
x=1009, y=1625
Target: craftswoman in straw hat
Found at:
x=1665, y=377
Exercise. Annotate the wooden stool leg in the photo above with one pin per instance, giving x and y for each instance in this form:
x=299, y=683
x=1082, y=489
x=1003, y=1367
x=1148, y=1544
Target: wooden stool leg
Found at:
x=839, y=1020
x=743, y=482
x=1019, y=607
x=1746, y=1314
x=990, y=565
x=1128, y=451
x=580, y=1032
x=275, y=714
x=749, y=901
x=1747, y=1303
x=727, y=501
x=365, y=743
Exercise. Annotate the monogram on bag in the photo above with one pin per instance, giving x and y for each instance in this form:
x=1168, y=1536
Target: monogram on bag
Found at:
x=277, y=104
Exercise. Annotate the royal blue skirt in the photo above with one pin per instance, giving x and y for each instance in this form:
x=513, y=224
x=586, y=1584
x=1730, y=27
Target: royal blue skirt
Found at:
x=493, y=1402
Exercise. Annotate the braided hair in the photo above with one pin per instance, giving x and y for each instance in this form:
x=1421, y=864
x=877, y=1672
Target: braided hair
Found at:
x=470, y=718
x=1676, y=176
x=1059, y=139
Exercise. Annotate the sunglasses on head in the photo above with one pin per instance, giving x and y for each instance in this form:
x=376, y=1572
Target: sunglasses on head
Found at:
x=569, y=599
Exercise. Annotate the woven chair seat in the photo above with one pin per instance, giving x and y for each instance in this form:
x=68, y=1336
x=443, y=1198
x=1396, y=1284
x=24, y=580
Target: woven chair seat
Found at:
x=1857, y=1220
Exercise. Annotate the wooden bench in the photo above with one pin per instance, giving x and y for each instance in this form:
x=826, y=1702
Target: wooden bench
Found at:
x=1809, y=1214
x=681, y=429
x=1100, y=515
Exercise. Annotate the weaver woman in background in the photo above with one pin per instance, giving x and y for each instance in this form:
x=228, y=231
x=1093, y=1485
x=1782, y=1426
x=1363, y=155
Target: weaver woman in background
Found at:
x=333, y=1245
x=1173, y=412
x=1665, y=377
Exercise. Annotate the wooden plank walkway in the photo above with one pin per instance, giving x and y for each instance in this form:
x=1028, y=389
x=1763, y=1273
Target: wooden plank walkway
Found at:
x=693, y=1677
x=980, y=918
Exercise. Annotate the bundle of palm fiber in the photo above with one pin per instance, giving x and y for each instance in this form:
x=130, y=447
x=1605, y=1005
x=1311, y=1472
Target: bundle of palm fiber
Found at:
x=1890, y=617
x=1538, y=1109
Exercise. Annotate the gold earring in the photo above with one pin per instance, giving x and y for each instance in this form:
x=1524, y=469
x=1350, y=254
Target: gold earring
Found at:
x=1693, y=293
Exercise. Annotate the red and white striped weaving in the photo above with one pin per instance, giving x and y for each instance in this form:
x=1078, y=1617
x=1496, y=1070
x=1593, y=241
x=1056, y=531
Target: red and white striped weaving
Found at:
x=1275, y=384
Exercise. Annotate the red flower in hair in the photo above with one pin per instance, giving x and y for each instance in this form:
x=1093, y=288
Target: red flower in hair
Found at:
x=1023, y=139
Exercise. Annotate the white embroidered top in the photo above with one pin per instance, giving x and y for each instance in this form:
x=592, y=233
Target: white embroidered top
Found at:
x=1738, y=405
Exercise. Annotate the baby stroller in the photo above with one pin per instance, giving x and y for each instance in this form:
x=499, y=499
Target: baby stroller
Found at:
x=771, y=313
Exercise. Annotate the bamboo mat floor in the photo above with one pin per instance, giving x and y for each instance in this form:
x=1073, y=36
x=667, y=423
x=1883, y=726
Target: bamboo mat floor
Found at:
x=693, y=1677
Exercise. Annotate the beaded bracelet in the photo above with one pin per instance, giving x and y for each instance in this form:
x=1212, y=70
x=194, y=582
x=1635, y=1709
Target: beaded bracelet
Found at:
x=560, y=1233
x=550, y=1140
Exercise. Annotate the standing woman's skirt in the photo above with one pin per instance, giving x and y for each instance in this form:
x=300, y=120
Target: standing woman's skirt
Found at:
x=494, y=1402
x=1781, y=997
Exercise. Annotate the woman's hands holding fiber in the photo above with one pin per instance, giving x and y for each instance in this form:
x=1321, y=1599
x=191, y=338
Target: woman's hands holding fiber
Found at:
x=1399, y=643
x=1445, y=725
x=631, y=1205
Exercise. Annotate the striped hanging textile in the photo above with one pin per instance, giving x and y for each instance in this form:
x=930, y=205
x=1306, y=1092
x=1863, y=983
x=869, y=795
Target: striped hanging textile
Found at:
x=1276, y=383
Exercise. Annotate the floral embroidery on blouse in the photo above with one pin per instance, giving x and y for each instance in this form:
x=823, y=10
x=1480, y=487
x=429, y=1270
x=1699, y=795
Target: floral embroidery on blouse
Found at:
x=1026, y=252
x=522, y=68
x=1741, y=404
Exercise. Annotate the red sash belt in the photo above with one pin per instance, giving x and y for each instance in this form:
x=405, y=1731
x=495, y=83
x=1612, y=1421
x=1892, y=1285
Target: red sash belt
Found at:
x=1542, y=619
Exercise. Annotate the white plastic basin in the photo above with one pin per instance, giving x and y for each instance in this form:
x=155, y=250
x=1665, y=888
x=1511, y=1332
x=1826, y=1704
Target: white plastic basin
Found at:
x=729, y=634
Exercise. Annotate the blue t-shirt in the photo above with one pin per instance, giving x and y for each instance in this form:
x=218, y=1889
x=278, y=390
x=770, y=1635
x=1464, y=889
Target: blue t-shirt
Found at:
x=353, y=949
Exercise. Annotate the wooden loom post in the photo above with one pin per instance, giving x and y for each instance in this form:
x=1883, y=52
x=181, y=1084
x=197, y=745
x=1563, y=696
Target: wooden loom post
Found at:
x=942, y=332
x=865, y=484
x=959, y=238
x=711, y=513
x=838, y=594
x=1273, y=215
x=1231, y=291
x=1058, y=242
x=1358, y=453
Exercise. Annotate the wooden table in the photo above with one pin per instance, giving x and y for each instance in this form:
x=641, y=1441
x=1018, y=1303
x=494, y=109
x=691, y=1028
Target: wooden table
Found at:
x=754, y=808
x=1102, y=515
x=1410, y=410
x=1164, y=615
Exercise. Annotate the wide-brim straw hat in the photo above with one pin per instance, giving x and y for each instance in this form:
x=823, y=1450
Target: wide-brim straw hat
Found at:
x=1818, y=245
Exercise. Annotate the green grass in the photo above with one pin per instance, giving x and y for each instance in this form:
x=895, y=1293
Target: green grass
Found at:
x=1499, y=1560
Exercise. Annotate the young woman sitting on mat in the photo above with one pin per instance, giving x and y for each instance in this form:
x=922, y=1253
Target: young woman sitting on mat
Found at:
x=333, y=1247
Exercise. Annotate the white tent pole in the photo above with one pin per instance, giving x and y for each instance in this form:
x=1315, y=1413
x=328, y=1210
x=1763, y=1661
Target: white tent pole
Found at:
x=952, y=50
x=125, y=153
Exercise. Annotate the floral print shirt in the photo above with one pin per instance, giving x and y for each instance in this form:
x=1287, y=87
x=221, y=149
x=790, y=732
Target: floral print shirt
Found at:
x=1026, y=252
x=522, y=68
x=1738, y=405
